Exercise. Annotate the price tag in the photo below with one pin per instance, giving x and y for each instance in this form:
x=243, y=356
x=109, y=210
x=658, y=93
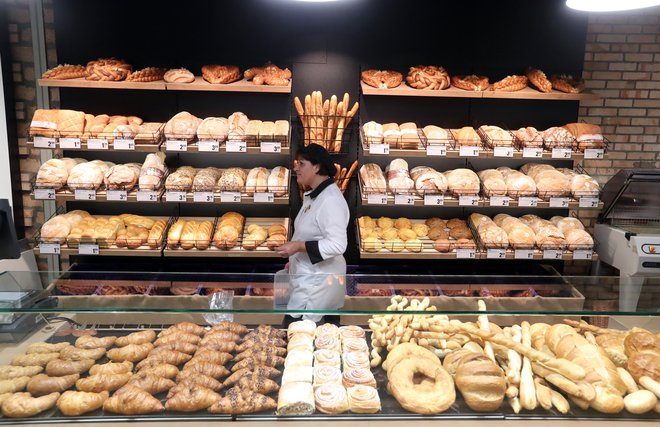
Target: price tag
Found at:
x=124, y=144
x=147, y=196
x=230, y=197
x=81, y=194
x=523, y=253
x=116, y=195
x=434, y=200
x=588, y=202
x=70, y=143
x=271, y=147
x=175, y=196
x=377, y=199
x=208, y=145
x=496, y=253
x=436, y=150
x=468, y=151
x=176, y=145
x=559, y=202
x=203, y=196
x=532, y=152
x=463, y=253
x=468, y=201
x=236, y=146
x=87, y=249
x=503, y=152
x=49, y=248
x=594, y=153
x=379, y=149
x=44, y=194
x=264, y=198
x=561, y=153
x=404, y=199
x=528, y=202
x=584, y=254
x=44, y=142
x=552, y=254
x=97, y=144
x=499, y=201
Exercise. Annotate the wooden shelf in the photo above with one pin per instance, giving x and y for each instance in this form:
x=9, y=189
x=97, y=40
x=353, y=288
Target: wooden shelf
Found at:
x=222, y=149
x=112, y=251
x=245, y=200
x=89, y=84
x=405, y=254
x=140, y=148
x=453, y=92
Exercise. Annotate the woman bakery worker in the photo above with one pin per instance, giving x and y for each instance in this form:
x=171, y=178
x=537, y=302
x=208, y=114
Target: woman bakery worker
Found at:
x=316, y=265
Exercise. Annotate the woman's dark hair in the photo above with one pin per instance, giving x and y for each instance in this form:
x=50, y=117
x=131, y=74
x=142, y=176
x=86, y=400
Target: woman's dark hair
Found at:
x=317, y=155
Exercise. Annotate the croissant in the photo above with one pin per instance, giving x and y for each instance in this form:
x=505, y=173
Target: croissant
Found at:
x=13, y=385
x=88, y=341
x=42, y=384
x=59, y=367
x=191, y=397
x=178, y=336
x=201, y=379
x=258, y=359
x=220, y=336
x=151, y=383
x=217, y=357
x=131, y=400
x=132, y=352
x=112, y=368
x=187, y=327
x=22, y=405
x=230, y=326
x=271, y=331
x=219, y=345
x=74, y=403
x=34, y=359
x=8, y=372
x=206, y=368
x=260, y=340
x=164, y=370
x=184, y=347
x=168, y=356
x=257, y=384
x=261, y=349
x=98, y=383
x=238, y=401
x=44, y=347
x=73, y=353
x=136, y=338
x=262, y=371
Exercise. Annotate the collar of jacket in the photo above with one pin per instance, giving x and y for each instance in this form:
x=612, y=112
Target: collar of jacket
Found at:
x=322, y=186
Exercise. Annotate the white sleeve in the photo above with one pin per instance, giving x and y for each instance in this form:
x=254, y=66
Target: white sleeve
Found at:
x=333, y=221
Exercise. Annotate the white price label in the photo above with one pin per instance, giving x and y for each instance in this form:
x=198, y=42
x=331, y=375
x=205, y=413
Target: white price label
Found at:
x=466, y=253
x=236, y=146
x=377, y=199
x=264, y=198
x=124, y=144
x=468, y=201
x=44, y=142
x=117, y=195
x=528, y=202
x=496, y=253
x=230, y=197
x=532, y=152
x=584, y=254
x=44, y=194
x=499, y=201
x=523, y=253
x=175, y=196
x=379, y=149
x=559, y=202
x=552, y=254
x=203, y=196
x=176, y=145
x=81, y=194
x=70, y=143
x=97, y=144
x=434, y=200
x=594, y=153
x=208, y=145
x=561, y=153
x=87, y=249
x=404, y=199
x=147, y=196
x=436, y=150
x=468, y=151
x=49, y=248
x=271, y=147
x=588, y=202
x=503, y=152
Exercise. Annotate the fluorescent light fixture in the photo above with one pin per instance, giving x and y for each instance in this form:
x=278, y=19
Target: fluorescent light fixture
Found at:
x=610, y=5
x=316, y=1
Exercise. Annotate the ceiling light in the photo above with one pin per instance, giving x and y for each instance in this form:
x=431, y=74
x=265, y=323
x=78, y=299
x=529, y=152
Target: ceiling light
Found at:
x=610, y=5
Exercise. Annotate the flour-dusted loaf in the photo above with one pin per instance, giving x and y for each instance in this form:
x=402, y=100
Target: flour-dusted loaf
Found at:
x=373, y=133
x=238, y=126
x=88, y=175
x=493, y=182
x=462, y=181
x=122, y=177
x=373, y=179
x=213, y=128
x=179, y=75
x=152, y=171
x=428, y=180
x=55, y=172
x=398, y=176
x=278, y=181
x=182, y=125
x=257, y=181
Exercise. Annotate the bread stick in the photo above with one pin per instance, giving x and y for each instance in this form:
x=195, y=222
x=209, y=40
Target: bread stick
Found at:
x=326, y=111
x=308, y=112
x=527, y=387
x=332, y=120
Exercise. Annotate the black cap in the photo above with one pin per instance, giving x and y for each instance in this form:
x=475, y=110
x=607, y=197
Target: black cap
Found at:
x=317, y=155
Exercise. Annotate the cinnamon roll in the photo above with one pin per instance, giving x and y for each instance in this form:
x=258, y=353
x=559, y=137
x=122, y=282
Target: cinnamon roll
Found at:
x=363, y=399
x=351, y=331
x=327, y=357
x=327, y=374
x=354, y=344
x=327, y=342
x=356, y=360
x=327, y=329
x=352, y=377
x=331, y=399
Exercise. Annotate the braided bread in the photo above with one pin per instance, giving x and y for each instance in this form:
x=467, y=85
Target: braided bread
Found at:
x=383, y=79
x=510, y=84
x=107, y=70
x=567, y=83
x=221, y=74
x=471, y=82
x=149, y=74
x=428, y=77
x=64, y=72
x=539, y=79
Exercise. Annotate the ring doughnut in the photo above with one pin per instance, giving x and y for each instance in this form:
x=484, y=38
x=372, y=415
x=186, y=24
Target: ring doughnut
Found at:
x=427, y=398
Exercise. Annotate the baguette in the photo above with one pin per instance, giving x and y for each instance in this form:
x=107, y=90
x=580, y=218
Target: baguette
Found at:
x=203, y=235
x=174, y=235
x=332, y=120
x=310, y=120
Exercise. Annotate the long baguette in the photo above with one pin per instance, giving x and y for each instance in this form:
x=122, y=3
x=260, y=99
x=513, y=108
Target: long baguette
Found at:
x=326, y=112
x=352, y=112
x=332, y=120
x=303, y=117
x=347, y=177
x=310, y=119
x=340, y=127
x=528, y=398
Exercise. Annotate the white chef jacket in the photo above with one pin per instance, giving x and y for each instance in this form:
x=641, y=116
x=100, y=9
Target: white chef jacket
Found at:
x=317, y=277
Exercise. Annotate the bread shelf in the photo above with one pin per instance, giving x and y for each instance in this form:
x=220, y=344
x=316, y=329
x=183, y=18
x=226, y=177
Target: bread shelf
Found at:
x=89, y=84
x=112, y=251
x=453, y=92
x=217, y=198
x=284, y=150
x=102, y=196
x=140, y=148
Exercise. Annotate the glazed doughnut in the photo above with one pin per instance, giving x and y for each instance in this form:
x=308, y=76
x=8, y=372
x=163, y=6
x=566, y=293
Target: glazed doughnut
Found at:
x=421, y=399
x=383, y=79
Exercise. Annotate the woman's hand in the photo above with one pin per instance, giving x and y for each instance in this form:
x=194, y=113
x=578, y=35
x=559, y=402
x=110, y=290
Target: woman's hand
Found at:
x=290, y=248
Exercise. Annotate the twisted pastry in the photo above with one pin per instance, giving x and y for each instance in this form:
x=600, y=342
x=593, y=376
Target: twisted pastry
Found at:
x=429, y=77
x=107, y=70
x=149, y=74
x=331, y=399
x=269, y=74
x=567, y=83
x=220, y=74
x=539, y=79
x=510, y=84
x=64, y=72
